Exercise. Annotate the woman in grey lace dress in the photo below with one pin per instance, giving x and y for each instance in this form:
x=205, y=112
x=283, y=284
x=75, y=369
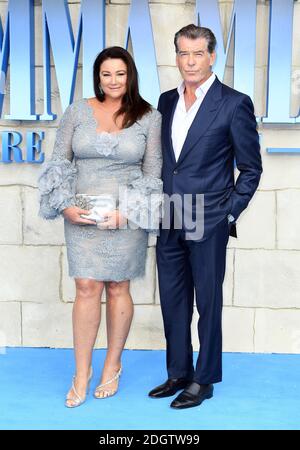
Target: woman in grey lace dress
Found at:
x=104, y=179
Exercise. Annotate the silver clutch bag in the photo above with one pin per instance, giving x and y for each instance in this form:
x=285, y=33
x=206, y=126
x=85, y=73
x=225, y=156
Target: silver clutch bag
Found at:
x=97, y=204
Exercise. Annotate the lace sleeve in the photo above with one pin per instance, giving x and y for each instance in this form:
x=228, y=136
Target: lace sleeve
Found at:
x=56, y=181
x=143, y=196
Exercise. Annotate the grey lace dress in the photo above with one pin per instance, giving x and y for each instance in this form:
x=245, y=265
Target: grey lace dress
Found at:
x=85, y=161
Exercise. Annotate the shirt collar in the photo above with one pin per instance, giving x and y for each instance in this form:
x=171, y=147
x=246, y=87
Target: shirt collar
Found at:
x=201, y=89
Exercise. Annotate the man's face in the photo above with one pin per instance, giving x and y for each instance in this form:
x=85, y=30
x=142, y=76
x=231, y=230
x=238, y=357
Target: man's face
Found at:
x=193, y=60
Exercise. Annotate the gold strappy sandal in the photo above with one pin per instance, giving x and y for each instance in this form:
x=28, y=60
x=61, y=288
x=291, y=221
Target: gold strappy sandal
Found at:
x=77, y=400
x=107, y=392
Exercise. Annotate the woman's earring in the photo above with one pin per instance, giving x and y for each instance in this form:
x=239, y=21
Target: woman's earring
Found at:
x=100, y=89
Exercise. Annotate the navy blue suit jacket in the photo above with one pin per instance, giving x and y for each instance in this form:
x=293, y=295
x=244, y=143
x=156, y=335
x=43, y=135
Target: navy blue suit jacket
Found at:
x=223, y=130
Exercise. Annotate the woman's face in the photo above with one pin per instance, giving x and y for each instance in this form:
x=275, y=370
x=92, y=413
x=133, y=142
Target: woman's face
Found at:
x=113, y=78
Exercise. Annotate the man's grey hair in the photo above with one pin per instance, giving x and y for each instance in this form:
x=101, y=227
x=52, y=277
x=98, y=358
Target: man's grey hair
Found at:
x=193, y=32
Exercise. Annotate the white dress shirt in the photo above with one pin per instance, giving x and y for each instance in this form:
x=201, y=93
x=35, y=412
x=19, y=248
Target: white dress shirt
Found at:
x=183, y=119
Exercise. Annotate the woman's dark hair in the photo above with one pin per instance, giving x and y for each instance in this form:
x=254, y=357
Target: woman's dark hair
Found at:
x=133, y=105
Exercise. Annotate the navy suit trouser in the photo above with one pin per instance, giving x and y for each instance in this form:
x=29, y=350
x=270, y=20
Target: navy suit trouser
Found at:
x=185, y=266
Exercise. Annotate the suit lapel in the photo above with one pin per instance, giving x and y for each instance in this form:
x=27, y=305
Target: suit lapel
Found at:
x=203, y=119
x=169, y=114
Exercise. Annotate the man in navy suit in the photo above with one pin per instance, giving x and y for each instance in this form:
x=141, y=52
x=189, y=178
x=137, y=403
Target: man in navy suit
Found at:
x=206, y=126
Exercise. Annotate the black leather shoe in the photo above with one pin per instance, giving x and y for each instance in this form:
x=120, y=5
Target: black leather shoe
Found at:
x=193, y=395
x=170, y=387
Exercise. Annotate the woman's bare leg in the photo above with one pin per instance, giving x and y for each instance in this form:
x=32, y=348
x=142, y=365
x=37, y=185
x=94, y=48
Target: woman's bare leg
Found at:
x=86, y=317
x=119, y=313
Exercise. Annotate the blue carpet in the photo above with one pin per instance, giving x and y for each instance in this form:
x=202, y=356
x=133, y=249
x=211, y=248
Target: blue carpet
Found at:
x=257, y=392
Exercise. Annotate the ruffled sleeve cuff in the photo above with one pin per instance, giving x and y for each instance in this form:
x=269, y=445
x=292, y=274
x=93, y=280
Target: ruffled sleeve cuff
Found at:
x=56, y=186
x=141, y=203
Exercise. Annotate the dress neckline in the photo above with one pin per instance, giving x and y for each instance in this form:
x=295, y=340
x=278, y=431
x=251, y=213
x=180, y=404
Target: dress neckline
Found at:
x=113, y=133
